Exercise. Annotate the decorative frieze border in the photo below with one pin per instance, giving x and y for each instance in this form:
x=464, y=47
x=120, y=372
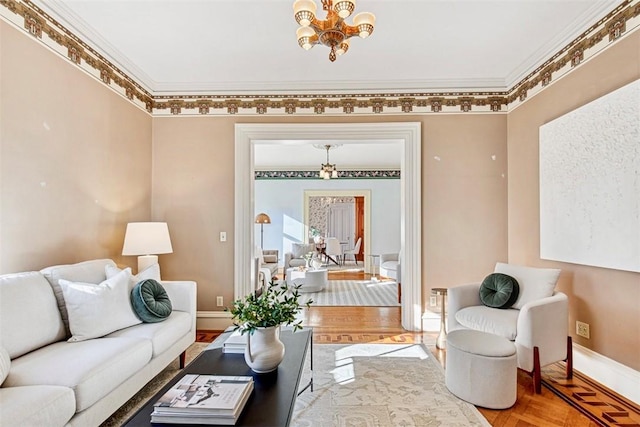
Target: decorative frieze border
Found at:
x=30, y=18
x=36, y=22
x=287, y=174
x=618, y=23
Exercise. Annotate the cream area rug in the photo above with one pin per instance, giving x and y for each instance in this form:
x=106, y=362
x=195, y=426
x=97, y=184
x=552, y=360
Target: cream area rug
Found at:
x=355, y=293
x=380, y=385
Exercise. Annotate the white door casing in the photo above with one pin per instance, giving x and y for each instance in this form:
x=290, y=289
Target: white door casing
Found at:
x=409, y=134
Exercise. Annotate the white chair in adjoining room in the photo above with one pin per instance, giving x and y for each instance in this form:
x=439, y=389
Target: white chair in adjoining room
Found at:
x=355, y=251
x=334, y=249
x=390, y=268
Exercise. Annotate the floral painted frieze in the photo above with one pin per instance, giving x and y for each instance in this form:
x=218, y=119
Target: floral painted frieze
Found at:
x=369, y=174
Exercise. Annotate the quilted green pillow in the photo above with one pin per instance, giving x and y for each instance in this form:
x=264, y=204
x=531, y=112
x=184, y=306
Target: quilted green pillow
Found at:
x=150, y=301
x=499, y=290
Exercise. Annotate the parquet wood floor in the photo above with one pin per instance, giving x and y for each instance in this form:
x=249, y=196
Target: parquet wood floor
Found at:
x=346, y=325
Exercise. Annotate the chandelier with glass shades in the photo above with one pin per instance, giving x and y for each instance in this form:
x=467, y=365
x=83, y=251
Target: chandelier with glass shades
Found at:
x=328, y=170
x=333, y=32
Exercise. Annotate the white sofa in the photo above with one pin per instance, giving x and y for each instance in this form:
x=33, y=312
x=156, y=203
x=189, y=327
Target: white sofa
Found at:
x=49, y=381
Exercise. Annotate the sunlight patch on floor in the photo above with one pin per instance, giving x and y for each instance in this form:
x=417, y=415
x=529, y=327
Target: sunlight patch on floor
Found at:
x=344, y=371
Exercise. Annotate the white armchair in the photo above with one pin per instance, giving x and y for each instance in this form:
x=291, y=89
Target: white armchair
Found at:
x=390, y=267
x=537, y=322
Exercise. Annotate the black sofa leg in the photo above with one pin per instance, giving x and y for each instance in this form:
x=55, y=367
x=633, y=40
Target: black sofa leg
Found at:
x=182, y=358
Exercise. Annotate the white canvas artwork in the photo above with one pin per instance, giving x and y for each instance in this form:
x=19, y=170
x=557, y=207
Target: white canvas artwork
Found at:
x=590, y=183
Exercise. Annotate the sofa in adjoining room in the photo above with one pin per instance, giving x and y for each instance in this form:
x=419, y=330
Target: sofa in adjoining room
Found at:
x=295, y=258
x=73, y=343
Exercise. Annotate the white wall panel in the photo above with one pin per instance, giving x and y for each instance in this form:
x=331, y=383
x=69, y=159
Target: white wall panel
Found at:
x=590, y=183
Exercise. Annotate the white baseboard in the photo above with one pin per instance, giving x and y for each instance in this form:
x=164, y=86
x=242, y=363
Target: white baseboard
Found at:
x=213, y=320
x=614, y=375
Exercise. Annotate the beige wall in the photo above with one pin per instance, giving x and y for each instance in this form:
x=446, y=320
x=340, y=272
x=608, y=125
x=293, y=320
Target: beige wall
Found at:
x=464, y=196
x=609, y=300
x=75, y=160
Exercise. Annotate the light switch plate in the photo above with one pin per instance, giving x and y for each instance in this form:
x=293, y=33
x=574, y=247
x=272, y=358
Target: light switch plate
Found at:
x=223, y=236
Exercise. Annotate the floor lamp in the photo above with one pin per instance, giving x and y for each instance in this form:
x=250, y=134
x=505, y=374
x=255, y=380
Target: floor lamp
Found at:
x=262, y=219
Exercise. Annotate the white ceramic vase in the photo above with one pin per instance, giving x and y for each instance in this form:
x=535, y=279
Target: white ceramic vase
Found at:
x=264, y=350
x=316, y=263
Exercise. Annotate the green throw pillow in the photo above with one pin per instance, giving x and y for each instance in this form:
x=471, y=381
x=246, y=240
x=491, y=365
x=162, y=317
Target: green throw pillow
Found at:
x=150, y=301
x=499, y=290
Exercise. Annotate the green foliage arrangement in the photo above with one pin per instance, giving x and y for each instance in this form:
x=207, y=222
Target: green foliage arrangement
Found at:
x=274, y=306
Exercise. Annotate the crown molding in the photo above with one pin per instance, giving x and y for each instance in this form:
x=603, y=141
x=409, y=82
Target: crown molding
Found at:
x=573, y=30
x=262, y=88
x=64, y=15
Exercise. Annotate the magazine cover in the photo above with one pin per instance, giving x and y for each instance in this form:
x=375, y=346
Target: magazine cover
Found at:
x=213, y=393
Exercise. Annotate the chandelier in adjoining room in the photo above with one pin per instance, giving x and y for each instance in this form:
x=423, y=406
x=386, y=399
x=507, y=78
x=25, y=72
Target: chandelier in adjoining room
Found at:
x=328, y=170
x=333, y=32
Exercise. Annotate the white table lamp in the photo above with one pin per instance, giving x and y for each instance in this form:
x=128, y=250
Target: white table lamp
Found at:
x=147, y=239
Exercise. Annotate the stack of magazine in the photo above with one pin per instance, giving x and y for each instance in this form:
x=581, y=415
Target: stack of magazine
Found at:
x=236, y=343
x=204, y=399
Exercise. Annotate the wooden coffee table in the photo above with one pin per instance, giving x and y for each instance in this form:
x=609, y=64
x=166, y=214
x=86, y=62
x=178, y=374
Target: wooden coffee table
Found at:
x=274, y=394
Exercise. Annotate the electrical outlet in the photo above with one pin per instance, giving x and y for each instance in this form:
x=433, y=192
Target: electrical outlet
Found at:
x=582, y=329
x=219, y=301
x=433, y=301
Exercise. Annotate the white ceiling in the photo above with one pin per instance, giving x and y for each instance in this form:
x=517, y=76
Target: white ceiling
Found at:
x=249, y=46
x=235, y=47
x=309, y=155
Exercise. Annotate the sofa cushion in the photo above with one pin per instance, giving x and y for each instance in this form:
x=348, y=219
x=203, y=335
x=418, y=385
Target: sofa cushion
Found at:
x=499, y=290
x=162, y=335
x=389, y=265
x=88, y=272
x=297, y=262
x=37, y=405
x=29, y=315
x=299, y=250
x=92, y=368
x=151, y=272
x=5, y=364
x=535, y=283
x=491, y=320
x=97, y=310
x=150, y=301
x=270, y=258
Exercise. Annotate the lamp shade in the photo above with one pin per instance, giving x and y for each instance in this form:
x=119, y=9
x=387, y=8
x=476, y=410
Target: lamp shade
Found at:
x=146, y=238
x=263, y=218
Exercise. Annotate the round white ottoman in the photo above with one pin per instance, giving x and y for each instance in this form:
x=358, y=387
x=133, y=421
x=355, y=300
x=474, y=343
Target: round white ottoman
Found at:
x=481, y=368
x=310, y=280
x=314, y=281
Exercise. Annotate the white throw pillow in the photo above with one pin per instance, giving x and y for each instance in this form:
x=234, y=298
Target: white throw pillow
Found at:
x=151, y=272
x=535, y=283
x=299, y=250
x=97, y=310
x=5, y=364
